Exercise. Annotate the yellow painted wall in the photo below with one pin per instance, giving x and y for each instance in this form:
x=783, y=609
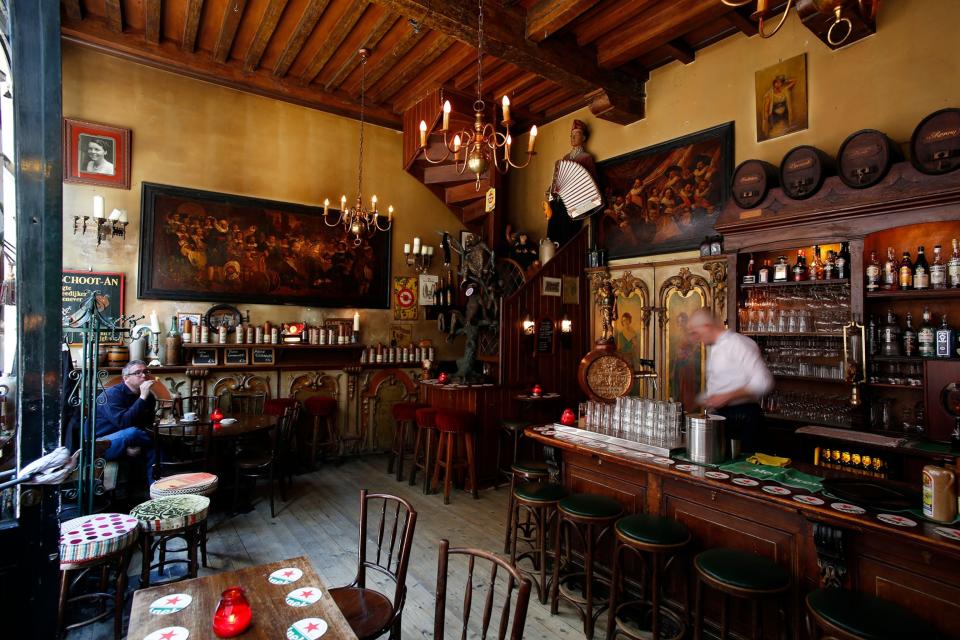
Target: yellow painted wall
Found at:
x=192, y=134
x=888, y=81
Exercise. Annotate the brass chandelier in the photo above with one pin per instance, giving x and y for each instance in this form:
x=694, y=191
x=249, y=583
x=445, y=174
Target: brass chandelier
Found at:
x=357, y=220
x=840, y=29
x=476, y=149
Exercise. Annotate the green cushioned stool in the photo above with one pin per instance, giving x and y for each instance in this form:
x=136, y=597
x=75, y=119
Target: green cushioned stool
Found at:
x=740, y=574
x=655, y=541
x=520, y=472
x=851, y=615
x=540, y=492
x=538, y=500
x=591, y=517
x=514, y=428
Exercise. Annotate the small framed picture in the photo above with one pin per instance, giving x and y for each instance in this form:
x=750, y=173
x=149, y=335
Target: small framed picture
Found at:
x=95, y=153
x=467, y=238
x=235, y=356
x=552, y=286
x=571, y=290
x=205, y=357
x=263, y=356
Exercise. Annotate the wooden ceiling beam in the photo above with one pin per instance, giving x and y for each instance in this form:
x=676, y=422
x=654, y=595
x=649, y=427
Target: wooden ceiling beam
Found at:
x=468, y=79
x=500, y=76
x=228, y=29
x=432, y=75
x=540, y=104
x=610, y=15
x=345, y=25
x=564, y=107
x=114, y=15
x=72, y=10
x=152, y=21
x=505, y=38
x=268, y=24
x=380, y=29
x=681, y=51
x=169, y=57
x=746, y=26
x=547, y=17
x=431, y=47
x=534, y=92
x=515, y=84
x=191, y=24
x=388, y=62
x=306, y=23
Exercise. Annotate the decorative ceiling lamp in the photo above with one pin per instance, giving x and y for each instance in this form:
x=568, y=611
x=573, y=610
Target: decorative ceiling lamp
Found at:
x=839, y=30
x=357, y=220
x=483, y=145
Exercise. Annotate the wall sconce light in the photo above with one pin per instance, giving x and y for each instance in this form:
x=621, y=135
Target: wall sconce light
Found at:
x=107, y=227
x=420, y=257
x=529, y=326
x=566, y=325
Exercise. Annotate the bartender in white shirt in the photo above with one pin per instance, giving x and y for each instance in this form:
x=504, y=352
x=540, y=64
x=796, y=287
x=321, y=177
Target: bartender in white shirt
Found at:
x=737, y=378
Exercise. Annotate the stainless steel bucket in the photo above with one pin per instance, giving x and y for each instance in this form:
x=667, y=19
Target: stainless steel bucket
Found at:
x=705, y=438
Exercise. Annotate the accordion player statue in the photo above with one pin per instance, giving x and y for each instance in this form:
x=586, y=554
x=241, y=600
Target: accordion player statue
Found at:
x=574, y=193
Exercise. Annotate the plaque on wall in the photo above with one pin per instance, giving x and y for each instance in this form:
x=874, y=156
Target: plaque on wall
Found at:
x=263, y=356
x=235, y=356
x=604, y=375
x=204, y=357
x=545, y=336
x=76, y=288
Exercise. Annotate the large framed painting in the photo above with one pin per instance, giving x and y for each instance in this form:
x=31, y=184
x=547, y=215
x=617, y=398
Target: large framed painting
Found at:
x=201, y=245
x=666, y=197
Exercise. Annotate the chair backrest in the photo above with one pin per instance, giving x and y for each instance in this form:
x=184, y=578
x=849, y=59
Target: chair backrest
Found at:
x=277, y=406
x=389, y=553
x=514, y=579
x=286, y=429
x=243, y=402
x=199, y=404
x=181, y=448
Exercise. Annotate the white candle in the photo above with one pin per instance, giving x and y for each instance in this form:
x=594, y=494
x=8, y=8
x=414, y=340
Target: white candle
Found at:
x=114, y=215
x=326, y=205
x=154, y=322
x=343, y=203
x=456, y=144
x=533, y=139
x=390, y=213
x=373, y=202
x=446, y=115
x=406, y=248
x=431, y=250
x=98, y=207
x=123, y=215
x=506, y=109
x=356, y=321
x=423, y=133
x=416, y=245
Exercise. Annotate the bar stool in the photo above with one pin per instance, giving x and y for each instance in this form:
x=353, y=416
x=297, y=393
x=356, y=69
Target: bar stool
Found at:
x=404, y=413
x=740, y=574
x=453, y=424
x=423, y=446
x=852, y=615
x=322, y=409
x=651, y=539
x=102, y=540
x=539, y=500
x=165, y=519
x=522, y=472
x=515, y=429
x=590, y=516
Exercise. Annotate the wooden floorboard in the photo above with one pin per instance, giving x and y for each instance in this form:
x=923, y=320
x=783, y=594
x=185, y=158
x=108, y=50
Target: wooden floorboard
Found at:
x=320, y=521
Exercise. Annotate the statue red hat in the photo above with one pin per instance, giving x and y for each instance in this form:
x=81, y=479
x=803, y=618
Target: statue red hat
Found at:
x=579, y=124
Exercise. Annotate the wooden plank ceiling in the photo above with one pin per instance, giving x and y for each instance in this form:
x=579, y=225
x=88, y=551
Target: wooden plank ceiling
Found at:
x=550, y=56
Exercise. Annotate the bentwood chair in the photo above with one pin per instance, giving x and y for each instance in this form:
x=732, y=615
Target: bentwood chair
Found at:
x=487, y=591
x=271, y=462
x=243, y=402
x=369, y=612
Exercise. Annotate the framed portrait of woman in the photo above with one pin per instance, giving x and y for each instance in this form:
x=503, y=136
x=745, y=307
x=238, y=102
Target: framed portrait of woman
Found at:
x=95, y=153
x=781, y=95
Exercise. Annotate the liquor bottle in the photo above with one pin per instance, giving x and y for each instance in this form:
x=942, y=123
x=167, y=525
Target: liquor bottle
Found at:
x=830, y=266
x=781, y=269
x=926, y=337
x=764, y=274
x=891, y=270
x=816, y=267
x=921, y=271
x=843, y=261
x=953, y=266
x=909, y=338
x=905, y=277
x=938, y=270
x=873, y=272
x=750, y=277
x=944, y=339
x=800, y=271
x=448, y=293
x=890, y=336
x=873, y=336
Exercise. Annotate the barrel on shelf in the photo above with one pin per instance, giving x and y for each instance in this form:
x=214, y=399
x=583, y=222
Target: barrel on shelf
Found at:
x=803, y=170
x=865, y=157
x=935, y=144
x=752, y=180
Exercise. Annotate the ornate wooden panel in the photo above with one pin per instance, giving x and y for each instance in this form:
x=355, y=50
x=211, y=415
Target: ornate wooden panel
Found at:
x=684, y=359
x=384, y=389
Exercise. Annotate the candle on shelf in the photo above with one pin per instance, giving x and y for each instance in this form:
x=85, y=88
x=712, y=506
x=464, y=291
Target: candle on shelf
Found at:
x=446, y=115
x=533, y=139
x=506, y=109
x=406, y=248
x=98, y=207
x=326, y=205
x=356, y=321
x=416, y=245
x=154, y=322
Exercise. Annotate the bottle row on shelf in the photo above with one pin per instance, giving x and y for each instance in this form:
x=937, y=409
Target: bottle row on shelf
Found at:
x=917, y=275
x=835, y=266
x=843, y=460
x=927, y=341
x=901, y=374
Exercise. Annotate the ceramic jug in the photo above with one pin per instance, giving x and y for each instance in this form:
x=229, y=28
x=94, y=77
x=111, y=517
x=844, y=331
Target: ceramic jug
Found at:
x=138, y=348
x=548, y=249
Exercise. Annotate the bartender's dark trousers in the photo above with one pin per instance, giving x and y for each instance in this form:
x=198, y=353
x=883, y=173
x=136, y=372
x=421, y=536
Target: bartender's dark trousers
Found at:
x=745, y=423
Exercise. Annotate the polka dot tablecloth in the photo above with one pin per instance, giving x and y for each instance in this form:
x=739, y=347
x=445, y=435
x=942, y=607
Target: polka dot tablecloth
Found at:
x=201, y=484
x=91, y=537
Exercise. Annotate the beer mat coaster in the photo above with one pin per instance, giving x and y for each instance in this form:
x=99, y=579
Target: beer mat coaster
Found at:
x=169, y=633
x=785, y=476
x=946, y=532
x=686, y=467
x=812, y=500
x=659, y=460
x=303, y=596
x=745, y=482
x=896, y=520
x=170, y=604
x=285, y=575
x=846, y=507
x=777, y=491
x=307, y=629
x=717, y=475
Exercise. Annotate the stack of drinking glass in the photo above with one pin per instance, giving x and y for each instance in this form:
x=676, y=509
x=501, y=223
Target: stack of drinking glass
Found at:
x=653, y=422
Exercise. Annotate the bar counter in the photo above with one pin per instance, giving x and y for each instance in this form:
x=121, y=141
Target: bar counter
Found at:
x=911, y=565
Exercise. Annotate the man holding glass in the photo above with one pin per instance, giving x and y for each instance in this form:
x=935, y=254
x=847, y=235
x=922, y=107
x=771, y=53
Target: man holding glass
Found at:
x=125, y=413
x=737, y=378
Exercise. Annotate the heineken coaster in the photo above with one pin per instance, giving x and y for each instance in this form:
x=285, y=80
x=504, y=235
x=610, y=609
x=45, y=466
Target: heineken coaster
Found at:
x=307, y=629
x=304, y=596
x=169, y=633
x=170, y=604
x=285, y=575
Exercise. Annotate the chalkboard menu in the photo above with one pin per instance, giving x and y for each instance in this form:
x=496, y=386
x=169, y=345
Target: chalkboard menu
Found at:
x=204, y=356
x=545, y=336
x=77, y=286
x=263, y=356
x=235, y=356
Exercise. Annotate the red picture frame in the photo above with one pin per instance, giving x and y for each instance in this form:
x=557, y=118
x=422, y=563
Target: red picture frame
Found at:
x=95, y=153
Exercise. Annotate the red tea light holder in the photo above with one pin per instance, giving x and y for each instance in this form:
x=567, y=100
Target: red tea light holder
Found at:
x=233, y=614
x=537, y=391
x=216, y=416
x=568, y=418
x=443, y=378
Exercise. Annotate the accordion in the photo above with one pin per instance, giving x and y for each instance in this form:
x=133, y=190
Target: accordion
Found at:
x=576, y=189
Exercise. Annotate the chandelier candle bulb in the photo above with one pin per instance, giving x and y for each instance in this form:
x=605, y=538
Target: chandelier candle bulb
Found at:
x=533, y=139
x=326, y=205
x=373, y=202
x=446, y=115
x=456, y=144
x=356, y=321
x=390, y=213
x=423, y=133
x=343, y=203
x=506, y=110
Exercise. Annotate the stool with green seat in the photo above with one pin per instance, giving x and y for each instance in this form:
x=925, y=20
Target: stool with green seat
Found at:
x=590, y=517
x=539, y=500
x=521, y=472
x=740, y=574
x=654, y=541
x=514, y=428
x=851, y=615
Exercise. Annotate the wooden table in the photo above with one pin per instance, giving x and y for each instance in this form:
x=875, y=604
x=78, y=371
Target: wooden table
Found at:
x=245, y=424
x=271, y=614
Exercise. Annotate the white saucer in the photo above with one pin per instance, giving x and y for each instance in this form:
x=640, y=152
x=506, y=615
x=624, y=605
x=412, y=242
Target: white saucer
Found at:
x=228, y=421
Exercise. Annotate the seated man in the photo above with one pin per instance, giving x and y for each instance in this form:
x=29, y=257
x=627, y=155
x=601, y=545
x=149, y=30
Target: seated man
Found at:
x=125, y=413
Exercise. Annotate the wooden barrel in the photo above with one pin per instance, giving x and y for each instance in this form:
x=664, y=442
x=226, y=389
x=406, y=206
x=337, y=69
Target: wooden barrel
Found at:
x=865, y=157
x=935, y=144
x=117, y=355
x=803, y=170
x=752, y=180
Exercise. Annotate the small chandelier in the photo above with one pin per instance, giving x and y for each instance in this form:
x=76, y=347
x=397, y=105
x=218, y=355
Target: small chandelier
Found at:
x=840, y=29
x=357, y=220
x=479, y=147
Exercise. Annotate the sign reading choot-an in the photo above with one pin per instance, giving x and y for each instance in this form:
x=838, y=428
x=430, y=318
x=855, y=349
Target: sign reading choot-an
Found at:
x=78, y=286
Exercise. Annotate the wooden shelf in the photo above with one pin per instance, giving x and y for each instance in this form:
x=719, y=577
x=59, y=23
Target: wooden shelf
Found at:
x=807, y=334
x=923, y=294
x=897, y=358
x=809, y=421
x=802, y=283
x=251, y=345
x=886, y=385
x=787, y=376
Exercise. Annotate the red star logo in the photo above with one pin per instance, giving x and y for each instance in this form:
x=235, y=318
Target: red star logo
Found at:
x=306, y=594
x=312, y=626
x=168, y=635
x=288, y=572
x=173, y=600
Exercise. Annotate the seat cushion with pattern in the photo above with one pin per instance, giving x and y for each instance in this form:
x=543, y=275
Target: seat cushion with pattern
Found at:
x=201, y=484
x=171, y=512
x=92, y=537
